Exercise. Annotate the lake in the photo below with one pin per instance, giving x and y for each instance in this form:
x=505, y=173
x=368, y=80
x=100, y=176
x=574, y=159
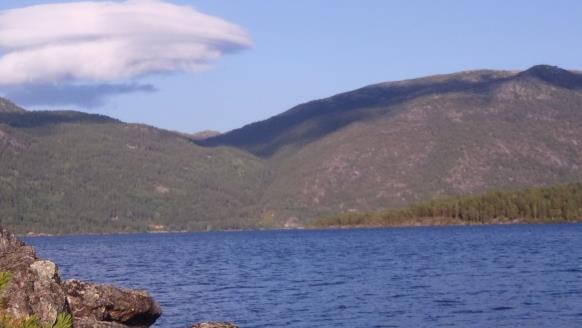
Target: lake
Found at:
x=476, y=276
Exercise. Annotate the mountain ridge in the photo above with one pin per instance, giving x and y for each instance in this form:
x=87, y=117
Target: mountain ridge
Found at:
x=6, y=106
x=385, y=145
x=508, y=130
x=250, y=136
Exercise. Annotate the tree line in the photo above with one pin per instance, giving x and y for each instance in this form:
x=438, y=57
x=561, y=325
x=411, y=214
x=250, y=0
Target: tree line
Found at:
x=558, y=203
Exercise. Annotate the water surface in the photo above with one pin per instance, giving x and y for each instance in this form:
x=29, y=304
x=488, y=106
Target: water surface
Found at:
x=488, y=276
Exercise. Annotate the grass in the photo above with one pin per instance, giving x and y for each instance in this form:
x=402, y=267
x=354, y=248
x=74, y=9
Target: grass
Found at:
x=64, y=320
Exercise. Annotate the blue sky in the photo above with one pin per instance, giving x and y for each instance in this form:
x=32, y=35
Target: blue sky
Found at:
x=308, y=49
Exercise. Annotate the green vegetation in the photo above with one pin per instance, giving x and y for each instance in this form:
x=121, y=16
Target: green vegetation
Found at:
x=67, y=172
x=64, y=320
x=554, y=204
x=4, y=279
x=382, y=146
x=399, y=143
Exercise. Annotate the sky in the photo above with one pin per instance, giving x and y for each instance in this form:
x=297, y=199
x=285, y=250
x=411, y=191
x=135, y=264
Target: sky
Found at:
x=220, y=64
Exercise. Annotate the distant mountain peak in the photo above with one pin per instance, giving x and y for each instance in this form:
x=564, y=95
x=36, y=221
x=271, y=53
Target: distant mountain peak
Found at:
x=205, y=134
x=553, y=75
x=6, y=106
x=311, y=121
x=546, y=69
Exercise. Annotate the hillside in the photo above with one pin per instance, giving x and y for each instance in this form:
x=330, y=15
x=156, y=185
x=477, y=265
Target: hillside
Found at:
x=314, y=120
x=396, y=143
x=70, y=172
x=7, y=106
x=382, y=146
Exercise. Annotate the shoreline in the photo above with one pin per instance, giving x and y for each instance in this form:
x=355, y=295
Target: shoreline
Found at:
x=307, y=228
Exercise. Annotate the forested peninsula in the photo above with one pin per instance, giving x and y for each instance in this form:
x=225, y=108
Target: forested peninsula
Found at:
x=536, y=205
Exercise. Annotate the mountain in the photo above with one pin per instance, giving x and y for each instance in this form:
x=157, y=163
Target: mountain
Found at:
x=71, y=172
x=382, y=146
x=391, y=144
x=7, y=106
x=203, y=135
x=308, y=122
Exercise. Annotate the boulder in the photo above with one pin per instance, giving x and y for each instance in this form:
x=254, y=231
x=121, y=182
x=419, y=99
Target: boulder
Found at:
x=35, y=288
x=214, y=325
x=104, y=303
x=8, y=241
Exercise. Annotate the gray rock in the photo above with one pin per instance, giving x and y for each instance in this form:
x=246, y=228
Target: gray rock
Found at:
x=8, y=241
x=214, y=325
x=35, y=288
x=104, y=303
x=92, y=323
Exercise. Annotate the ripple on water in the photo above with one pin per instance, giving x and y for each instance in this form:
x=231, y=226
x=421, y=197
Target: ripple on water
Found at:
x=503, y=276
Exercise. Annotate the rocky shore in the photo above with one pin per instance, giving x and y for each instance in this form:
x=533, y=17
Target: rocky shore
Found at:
x=34, y=288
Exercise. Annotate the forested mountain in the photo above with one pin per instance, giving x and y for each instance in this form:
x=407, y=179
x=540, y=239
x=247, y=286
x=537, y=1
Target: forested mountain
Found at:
x=396, y=143
x=382, y=146
x=70, y=172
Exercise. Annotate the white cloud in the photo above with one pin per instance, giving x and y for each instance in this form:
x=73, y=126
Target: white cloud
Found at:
x=109, y=41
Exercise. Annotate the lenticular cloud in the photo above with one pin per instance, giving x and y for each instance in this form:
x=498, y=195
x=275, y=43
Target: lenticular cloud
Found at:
x=109, y=41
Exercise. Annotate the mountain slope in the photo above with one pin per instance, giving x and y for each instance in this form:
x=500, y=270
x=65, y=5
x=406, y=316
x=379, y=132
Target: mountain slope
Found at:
x=308, y=122
x=314, y=120
x=381, y=146
x=9, y=107
x=395, y=143
x=69, y=172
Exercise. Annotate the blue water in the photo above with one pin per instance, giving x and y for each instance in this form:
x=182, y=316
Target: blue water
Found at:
x=498, y=276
